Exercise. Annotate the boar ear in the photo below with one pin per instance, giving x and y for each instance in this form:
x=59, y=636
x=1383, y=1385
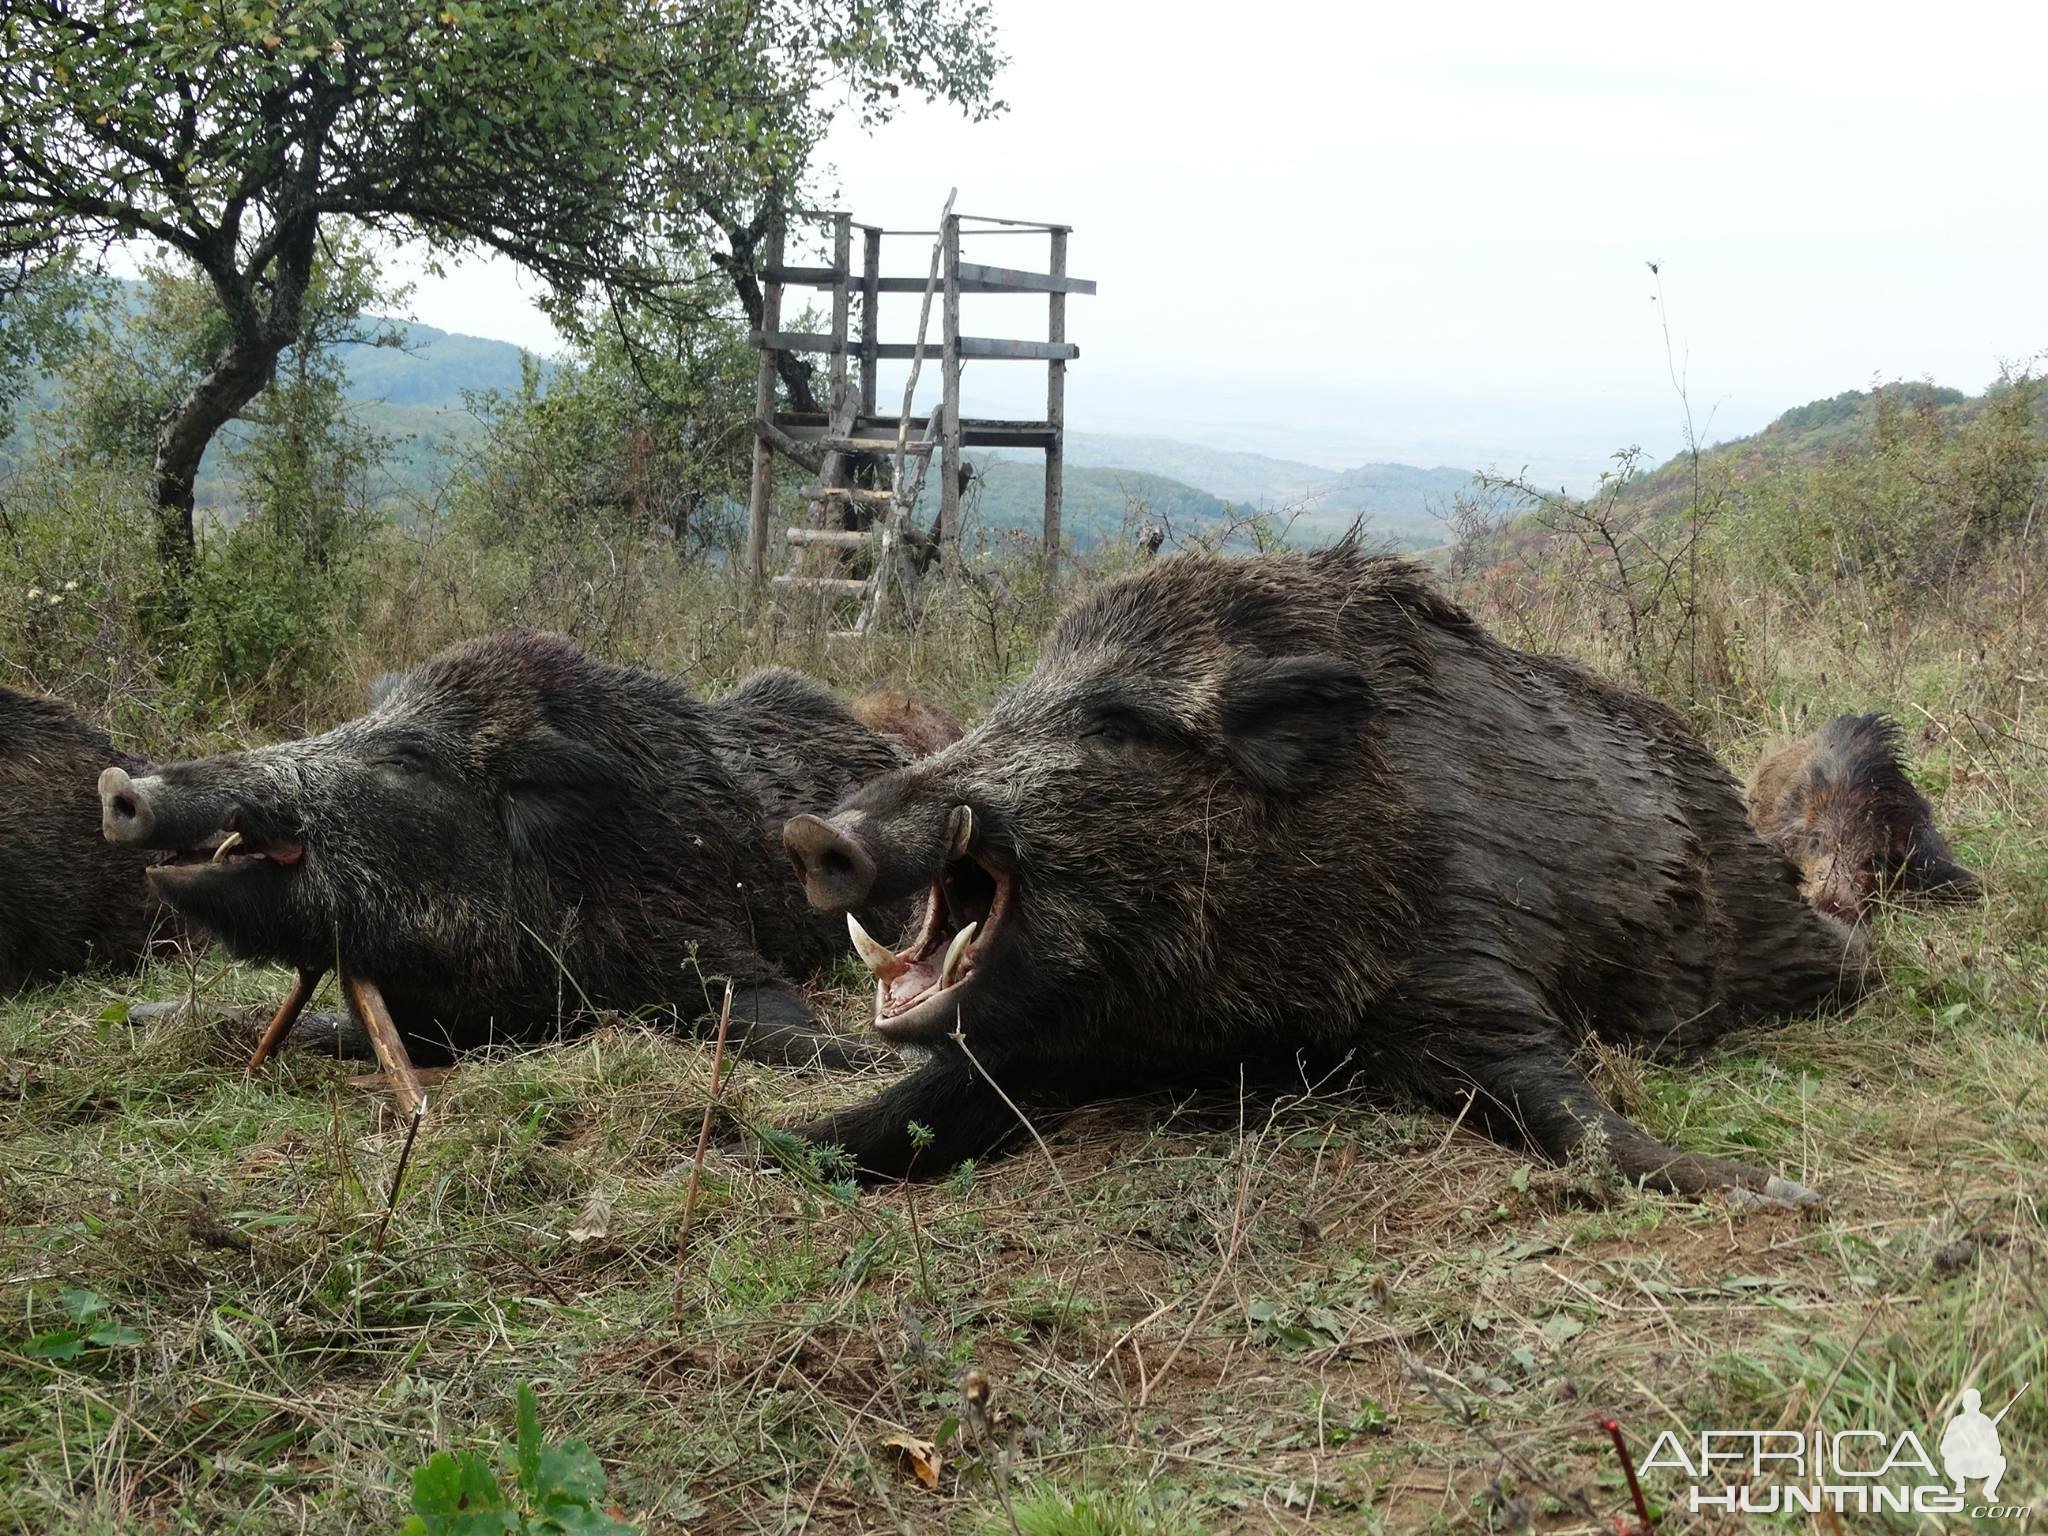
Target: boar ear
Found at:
x=565, y=788
x=380, y=690
x=1287, y=720
x=1939, y=875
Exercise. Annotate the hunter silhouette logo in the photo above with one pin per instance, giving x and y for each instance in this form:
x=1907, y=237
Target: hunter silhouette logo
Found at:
x=1969, y=1446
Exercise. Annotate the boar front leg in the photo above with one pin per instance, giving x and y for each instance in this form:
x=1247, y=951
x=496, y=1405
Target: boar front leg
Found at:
x=945, y=1097
x=1533, y=1089
x=772, y=1023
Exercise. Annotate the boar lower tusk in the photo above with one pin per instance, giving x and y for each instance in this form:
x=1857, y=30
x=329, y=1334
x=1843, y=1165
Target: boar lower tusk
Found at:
x=954, y=951
x=875, y=955
x=227, y=846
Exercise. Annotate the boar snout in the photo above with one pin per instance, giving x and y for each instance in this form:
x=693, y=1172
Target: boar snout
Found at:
x=175, y=813
x=125, y=812
x=835, y=871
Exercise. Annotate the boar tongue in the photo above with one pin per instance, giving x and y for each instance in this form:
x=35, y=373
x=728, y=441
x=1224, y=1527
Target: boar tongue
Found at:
x=931, y=972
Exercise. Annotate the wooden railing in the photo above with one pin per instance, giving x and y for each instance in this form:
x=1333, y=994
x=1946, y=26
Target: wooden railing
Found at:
x=854, y=426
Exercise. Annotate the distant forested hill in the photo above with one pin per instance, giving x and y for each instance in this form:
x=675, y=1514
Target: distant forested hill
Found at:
x=431, y=367
x=1251, y=478
x=1097, y=505
x=1400, y=502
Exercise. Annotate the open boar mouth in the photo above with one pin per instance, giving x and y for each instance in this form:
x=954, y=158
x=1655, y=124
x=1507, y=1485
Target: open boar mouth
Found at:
x=919, y=990
x=227, y=851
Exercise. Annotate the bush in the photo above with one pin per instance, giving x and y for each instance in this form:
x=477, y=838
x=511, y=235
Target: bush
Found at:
x=1940, y=484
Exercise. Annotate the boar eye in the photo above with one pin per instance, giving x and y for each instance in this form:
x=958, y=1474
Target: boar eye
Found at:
x=408, y=757
x=1113, y=728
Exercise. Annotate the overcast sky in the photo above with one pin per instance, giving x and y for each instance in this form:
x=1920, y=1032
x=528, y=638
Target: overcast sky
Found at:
x=1343, y=231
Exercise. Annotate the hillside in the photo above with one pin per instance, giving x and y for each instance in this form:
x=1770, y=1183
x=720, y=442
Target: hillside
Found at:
x=1252, y=478
x=1828, y=430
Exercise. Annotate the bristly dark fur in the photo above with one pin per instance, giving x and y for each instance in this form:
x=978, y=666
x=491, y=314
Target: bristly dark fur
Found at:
x=68, y=902
x=1839, y=805
x=1302, y=806
x=517, y=835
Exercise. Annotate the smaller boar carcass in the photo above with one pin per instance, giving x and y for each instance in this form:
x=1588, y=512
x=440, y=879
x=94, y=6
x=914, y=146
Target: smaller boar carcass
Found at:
x=1300, y=813
x=517, y=838
x=68, y=901
x=912, y=719
x=1839, y=805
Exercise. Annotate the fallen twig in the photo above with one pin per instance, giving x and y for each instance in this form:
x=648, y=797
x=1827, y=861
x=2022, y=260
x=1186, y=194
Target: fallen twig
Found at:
x=412, y=1132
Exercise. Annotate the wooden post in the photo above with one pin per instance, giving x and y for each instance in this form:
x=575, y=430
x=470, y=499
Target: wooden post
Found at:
x=366, y=1001
x=842, y=299
x=1055, y=410
x=870, y=323
x=949, y=463
x=286, y=1016
x=762, y=493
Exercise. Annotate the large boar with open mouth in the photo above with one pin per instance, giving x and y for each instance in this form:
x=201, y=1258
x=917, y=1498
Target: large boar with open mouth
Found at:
x=1301, y=808
x=68, y=902
x=516, y=836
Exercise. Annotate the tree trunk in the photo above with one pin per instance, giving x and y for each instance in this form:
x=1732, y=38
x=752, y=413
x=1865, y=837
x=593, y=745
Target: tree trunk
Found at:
x=236, y=378
x=744, y=242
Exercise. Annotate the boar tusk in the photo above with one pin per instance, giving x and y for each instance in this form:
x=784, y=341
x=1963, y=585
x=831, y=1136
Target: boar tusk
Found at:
x=227, y=846
x=875, y=955
x=954, y=951
x=963, y=832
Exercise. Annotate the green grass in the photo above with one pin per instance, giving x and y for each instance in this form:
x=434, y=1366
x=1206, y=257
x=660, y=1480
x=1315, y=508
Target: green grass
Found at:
x=1324, y=1313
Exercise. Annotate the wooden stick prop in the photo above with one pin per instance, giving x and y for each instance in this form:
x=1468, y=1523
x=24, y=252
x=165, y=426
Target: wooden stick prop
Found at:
x=286, y=1016
x=703, y=1145
x=367, y=1004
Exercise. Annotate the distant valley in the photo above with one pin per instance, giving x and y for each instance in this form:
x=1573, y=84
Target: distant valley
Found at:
x=414, y=394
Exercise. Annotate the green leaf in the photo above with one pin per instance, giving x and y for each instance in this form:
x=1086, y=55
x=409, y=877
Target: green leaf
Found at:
x=568, y=1474
x=114, y=1336
x=61, y=1345
x=574, y=1521
x=81, y=1306
x=458, y=1495
x=527, y=1455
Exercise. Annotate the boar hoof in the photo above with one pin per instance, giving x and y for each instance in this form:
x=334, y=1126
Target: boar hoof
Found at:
x=773, y=1024
x=743, y=1151
x=1778, y=1194
x=332, y=1034
x=149, y=1015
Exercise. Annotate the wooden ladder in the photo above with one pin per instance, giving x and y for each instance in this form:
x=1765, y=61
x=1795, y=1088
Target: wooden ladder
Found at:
x=891, y=582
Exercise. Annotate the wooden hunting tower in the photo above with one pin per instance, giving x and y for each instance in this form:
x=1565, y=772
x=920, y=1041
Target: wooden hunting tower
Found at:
x=870, y=468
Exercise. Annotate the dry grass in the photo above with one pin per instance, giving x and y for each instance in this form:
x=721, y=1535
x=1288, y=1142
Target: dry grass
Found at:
x=1308, y=1311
